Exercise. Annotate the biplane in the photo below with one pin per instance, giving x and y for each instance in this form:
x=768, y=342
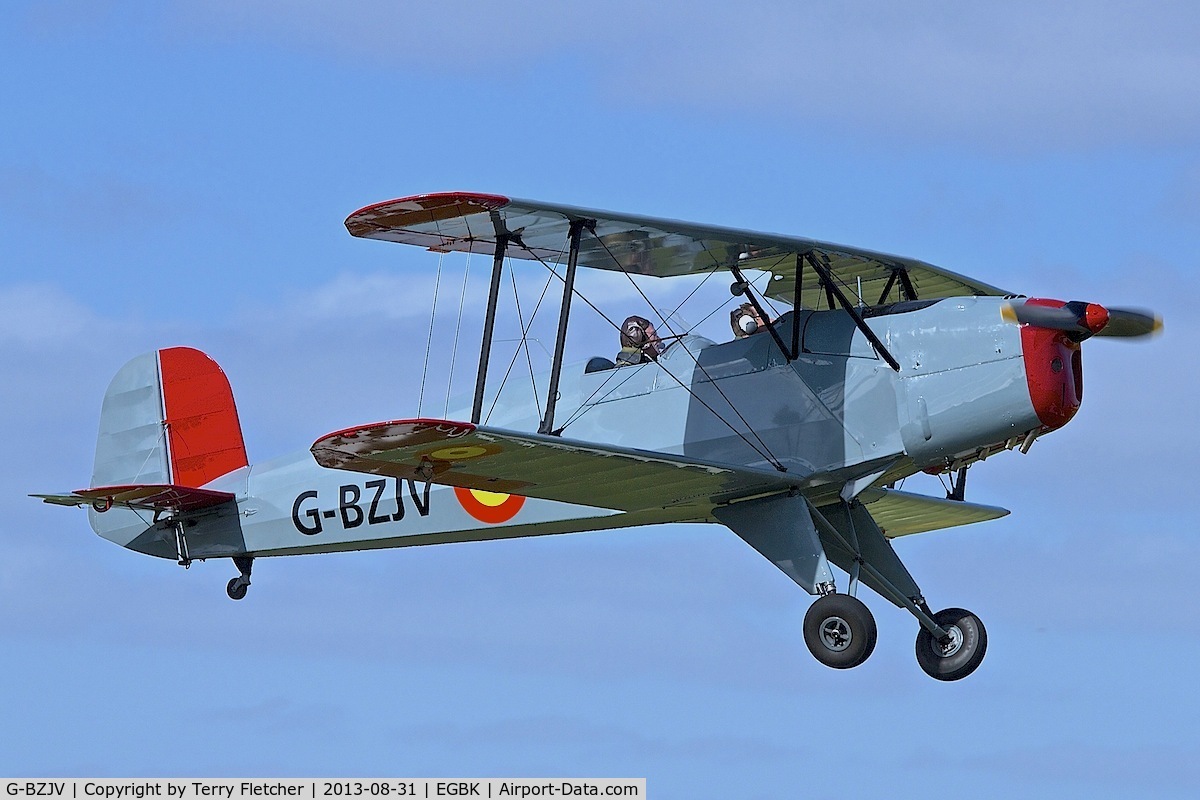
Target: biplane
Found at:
x=794, y=437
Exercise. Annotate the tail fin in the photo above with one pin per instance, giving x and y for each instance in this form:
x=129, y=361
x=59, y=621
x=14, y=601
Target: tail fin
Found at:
x=168, y=418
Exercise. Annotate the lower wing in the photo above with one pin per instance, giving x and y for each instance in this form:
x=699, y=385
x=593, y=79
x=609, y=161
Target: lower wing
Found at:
x=539, y=466
x=901, y=513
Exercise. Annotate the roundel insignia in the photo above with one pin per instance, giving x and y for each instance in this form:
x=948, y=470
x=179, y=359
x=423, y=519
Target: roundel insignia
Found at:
x=461, y=452
x=490, y=507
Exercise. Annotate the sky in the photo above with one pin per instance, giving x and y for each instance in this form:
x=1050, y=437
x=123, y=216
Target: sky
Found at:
x=177, y=173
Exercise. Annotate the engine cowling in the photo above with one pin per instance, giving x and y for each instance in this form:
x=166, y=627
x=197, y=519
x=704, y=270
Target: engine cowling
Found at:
x=1053, y=369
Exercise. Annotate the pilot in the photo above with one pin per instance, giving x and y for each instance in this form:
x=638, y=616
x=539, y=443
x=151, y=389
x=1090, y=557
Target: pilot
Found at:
x=746, y=321
x=639, y=342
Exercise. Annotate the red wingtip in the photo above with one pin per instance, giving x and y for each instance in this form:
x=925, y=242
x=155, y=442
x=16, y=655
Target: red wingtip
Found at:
x=409, y=426
x=421, y=208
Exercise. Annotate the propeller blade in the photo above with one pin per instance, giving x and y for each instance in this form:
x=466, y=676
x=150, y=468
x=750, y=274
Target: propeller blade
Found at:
x=1131, y=322
x=1082, y=320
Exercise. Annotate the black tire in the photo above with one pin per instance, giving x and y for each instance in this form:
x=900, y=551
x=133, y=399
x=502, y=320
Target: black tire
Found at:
x=236, y=589
x=960, y=657
x=840, y=631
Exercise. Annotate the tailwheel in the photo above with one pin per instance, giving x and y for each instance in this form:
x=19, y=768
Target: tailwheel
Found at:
x=237, y=587
x=839, y=631
x=960, y=653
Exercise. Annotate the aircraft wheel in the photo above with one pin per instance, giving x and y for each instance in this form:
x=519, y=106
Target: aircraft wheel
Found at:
x=958, y=656
x=839, y=631
x=236, y=588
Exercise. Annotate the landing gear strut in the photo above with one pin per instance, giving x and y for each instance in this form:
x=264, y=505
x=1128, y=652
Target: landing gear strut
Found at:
x=237, y=587
x=958, y=488
x=839, y=631
x=184, y=558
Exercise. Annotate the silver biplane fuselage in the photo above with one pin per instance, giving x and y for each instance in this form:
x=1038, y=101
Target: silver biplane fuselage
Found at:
x=834, y=414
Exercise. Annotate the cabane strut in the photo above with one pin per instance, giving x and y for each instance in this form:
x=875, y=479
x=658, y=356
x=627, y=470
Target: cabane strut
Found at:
x=833, y=290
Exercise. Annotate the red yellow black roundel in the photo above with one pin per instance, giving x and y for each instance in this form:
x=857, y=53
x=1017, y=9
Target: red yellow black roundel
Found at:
x=490, y=507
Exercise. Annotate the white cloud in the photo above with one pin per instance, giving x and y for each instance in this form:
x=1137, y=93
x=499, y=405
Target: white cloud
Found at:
x=1020, y=76
x=40, y=314
x=379, y=296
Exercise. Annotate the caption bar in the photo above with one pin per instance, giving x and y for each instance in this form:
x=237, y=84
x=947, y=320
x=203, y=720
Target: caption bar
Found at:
x=321, y=788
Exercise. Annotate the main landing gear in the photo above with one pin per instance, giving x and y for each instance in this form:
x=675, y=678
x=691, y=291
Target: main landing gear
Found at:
x=840, y=633
x=804, y=540
x=237, y=587
x=959, y=652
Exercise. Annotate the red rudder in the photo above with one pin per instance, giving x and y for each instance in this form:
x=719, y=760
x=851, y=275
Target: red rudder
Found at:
x=203, y=432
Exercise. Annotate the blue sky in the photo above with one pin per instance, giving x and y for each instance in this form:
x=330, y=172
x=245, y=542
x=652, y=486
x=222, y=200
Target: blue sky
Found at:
x=178, y=173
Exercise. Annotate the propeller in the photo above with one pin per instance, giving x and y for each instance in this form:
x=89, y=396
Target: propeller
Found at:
x=1083, y=320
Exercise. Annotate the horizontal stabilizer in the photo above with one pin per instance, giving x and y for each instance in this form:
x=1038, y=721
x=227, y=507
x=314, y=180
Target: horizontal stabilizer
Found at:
x=149, y=497
x=901, y=513
x=534, y=465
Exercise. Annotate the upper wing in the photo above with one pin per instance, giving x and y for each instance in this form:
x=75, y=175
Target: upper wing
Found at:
x=533, y=465
x=472, y=222
x=149, y=497
x=901, y=513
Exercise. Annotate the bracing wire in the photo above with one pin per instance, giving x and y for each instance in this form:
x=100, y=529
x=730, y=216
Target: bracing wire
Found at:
x=768, y=273
x=522, y=342
x=585, y=405
x=429, y=339
x=457, y=329
x=525, y=342
x=574, y=291
x=766, y=451
x=524, y=334
x=719, y=306
x=699, y=286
